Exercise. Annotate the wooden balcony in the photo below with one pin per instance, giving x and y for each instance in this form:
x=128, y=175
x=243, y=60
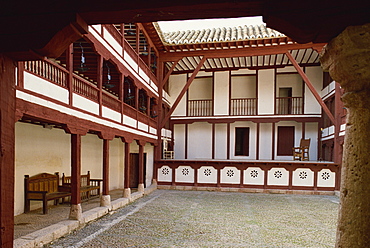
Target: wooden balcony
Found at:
x=289, y=105
x=200, y=107
x=279, y=175
x=58, y=75
x=243, y=106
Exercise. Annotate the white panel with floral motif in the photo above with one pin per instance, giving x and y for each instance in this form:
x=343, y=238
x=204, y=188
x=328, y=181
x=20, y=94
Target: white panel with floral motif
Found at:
x=278, y=176
x=184, y=174
x=326, y=178
x=165, y=174
x=207, y=174
x=254, y=176
x=230, y=175
x=303, y=177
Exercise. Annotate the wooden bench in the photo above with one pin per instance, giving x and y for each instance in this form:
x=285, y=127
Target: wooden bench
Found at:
x=88, y=187
x=43, y=187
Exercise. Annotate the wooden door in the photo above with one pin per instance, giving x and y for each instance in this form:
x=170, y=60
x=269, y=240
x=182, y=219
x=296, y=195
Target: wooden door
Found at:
x=134, y=169
x=285, y=141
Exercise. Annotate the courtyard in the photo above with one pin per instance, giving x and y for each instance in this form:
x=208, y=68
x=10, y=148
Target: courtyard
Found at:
x=169, y=218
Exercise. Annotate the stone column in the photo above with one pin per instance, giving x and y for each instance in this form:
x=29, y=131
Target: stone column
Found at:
x=347, y=58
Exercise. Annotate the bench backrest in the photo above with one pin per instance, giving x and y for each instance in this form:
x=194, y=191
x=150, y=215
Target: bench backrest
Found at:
x=42, y=182
x=84, y=181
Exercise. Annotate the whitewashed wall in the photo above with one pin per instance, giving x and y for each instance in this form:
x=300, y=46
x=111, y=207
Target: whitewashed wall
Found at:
x=220, y=141
x=176, y=83
x=266, y=92
x=38, y=150
x=265, y=141
x=179, y=136
x=221, y=93
x=243, y=87
x=315, y=75
x=200, y=135
x=293, y=81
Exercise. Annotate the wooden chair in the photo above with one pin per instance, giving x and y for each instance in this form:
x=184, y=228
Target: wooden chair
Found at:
x=302, y=152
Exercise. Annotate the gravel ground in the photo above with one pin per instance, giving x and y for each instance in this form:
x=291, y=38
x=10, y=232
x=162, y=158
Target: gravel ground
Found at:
x=169, y=218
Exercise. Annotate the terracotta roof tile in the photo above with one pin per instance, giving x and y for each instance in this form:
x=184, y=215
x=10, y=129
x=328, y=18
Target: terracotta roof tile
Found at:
x=224, y=34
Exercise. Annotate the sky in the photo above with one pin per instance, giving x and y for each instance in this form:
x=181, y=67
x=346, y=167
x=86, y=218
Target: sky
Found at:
x=169, y=26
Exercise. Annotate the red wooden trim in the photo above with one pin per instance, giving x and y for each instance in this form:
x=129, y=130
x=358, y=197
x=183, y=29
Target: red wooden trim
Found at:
x=100, y=83
x=105, y=167
x=75, y=168
x=186, y=141
x=230, y=89
x=141, y=164
x=240, y=52
x=337, y=124
x=69, y=58
x=20, y=73
x=258, y=142
x=178, y=99
x=303, y=130
x=127, y=166
x=311, y=87
x=228, y=141
x=213, y=140
x=273, y=141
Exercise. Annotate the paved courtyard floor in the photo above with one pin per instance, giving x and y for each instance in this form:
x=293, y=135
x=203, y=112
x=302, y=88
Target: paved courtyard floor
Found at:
x=168, y=218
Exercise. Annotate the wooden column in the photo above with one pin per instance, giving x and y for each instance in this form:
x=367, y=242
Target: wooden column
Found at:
x=346, y=57
x=105, y=198
x=76, y=133
x=127, y=189
x=7, y=139
x=69, y=59
x=141, y=145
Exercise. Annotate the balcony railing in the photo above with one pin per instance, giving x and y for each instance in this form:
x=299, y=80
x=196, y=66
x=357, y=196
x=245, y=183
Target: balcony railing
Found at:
x=200, y=107
x=58, y=75
x=289, y=106
x=243, y=106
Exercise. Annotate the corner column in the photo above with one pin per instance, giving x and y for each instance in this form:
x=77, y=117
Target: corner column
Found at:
x=7, y=155
x=346, y=58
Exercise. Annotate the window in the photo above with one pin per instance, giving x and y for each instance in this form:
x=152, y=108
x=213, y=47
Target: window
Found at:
x=285, y=141
x=242, y=141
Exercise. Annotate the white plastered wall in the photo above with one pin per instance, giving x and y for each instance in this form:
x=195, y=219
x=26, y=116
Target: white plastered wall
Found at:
x=179, y=137
x=201, y=89
x=92, y=156
x=116, y=164
x=200, y=140
x=293, y=81
x=315, y=75
x=265, y=148
x=266, y=92
x=221, y=93
x=220, y=141
x=38, y=150
x=243, y=87
x=176, y=84
x=311, y=132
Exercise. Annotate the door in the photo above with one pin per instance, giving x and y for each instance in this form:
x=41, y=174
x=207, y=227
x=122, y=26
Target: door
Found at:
x=285, y=95
x=285, y=141
x=134, y=169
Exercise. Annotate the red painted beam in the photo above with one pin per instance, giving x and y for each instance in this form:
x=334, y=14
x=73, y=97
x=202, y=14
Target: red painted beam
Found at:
x=311, y=87
x=186, y=87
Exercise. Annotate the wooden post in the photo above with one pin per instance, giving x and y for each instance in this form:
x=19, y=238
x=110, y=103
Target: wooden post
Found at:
x=126, y=184
x=76, y=133
x=76, y=210
x=7, y=140
x=141, y=165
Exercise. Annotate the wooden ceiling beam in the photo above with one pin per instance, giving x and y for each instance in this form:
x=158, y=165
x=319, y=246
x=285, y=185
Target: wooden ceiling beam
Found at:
x=237, y=52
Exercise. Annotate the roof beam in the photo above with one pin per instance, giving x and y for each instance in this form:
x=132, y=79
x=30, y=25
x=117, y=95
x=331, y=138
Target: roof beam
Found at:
x=239, y=52
x=186, y=87
x=311, y=87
